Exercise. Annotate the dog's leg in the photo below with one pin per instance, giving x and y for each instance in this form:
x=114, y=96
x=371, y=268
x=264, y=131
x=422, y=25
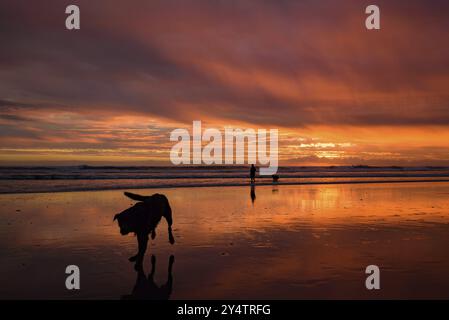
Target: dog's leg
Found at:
x=153, y=268
x=168, y=216
x=171, y=238
x=142, y=240
x=169, y=219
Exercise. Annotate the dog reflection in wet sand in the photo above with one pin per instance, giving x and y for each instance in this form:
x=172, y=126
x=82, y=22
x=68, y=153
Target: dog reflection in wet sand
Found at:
x=146, y=289
x=143, y=218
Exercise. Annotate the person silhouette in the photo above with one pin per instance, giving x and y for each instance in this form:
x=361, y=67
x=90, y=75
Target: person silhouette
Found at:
x=252, y=173
x=146, y=289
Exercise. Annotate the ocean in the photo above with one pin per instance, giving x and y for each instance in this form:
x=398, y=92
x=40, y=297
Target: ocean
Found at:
x=27, y=179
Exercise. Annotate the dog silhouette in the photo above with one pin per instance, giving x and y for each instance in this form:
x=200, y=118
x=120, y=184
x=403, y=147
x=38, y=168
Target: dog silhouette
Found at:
x=143, y=218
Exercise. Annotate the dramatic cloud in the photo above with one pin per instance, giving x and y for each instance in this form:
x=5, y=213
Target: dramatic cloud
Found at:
x=336, y=90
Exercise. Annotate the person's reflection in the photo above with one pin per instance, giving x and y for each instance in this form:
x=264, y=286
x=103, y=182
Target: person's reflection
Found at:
x=253, y=192
x=146, y=289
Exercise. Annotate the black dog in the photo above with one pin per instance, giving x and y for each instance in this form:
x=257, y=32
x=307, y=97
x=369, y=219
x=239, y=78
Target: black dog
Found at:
x=143, y=218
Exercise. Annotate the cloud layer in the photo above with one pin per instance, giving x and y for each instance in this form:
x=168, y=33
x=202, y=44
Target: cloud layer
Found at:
x=309, y=68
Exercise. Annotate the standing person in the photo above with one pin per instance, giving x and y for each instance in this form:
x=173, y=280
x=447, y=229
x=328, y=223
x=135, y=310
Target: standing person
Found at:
x=252, y=173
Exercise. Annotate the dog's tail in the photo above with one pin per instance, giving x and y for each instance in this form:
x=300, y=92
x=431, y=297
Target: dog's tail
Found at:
x=136, y=197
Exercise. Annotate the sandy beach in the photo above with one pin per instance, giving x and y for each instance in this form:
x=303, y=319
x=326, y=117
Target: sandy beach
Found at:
x=309, y=241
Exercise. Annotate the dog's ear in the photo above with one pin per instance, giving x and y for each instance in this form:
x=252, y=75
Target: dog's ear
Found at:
x=115, y=217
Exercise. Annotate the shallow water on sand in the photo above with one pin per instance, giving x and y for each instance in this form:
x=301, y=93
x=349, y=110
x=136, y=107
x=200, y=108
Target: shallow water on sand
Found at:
x=291, y=242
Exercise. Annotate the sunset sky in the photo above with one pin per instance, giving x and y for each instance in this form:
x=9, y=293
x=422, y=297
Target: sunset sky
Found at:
x=113, y=91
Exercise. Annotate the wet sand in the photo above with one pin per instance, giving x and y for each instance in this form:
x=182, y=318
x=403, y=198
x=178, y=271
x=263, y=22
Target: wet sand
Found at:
x=309, y=241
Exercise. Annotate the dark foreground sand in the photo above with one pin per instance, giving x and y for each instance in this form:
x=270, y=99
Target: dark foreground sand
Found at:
x=292, y=242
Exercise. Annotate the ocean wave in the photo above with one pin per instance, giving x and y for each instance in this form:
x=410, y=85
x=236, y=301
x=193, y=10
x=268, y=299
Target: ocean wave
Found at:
x=91, y=187
x=214, y=176
x=79, y=178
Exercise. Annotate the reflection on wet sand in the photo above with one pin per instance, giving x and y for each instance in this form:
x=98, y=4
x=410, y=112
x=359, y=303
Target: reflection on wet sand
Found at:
x=298, y=242
x=146, y=288
x=253, y=192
